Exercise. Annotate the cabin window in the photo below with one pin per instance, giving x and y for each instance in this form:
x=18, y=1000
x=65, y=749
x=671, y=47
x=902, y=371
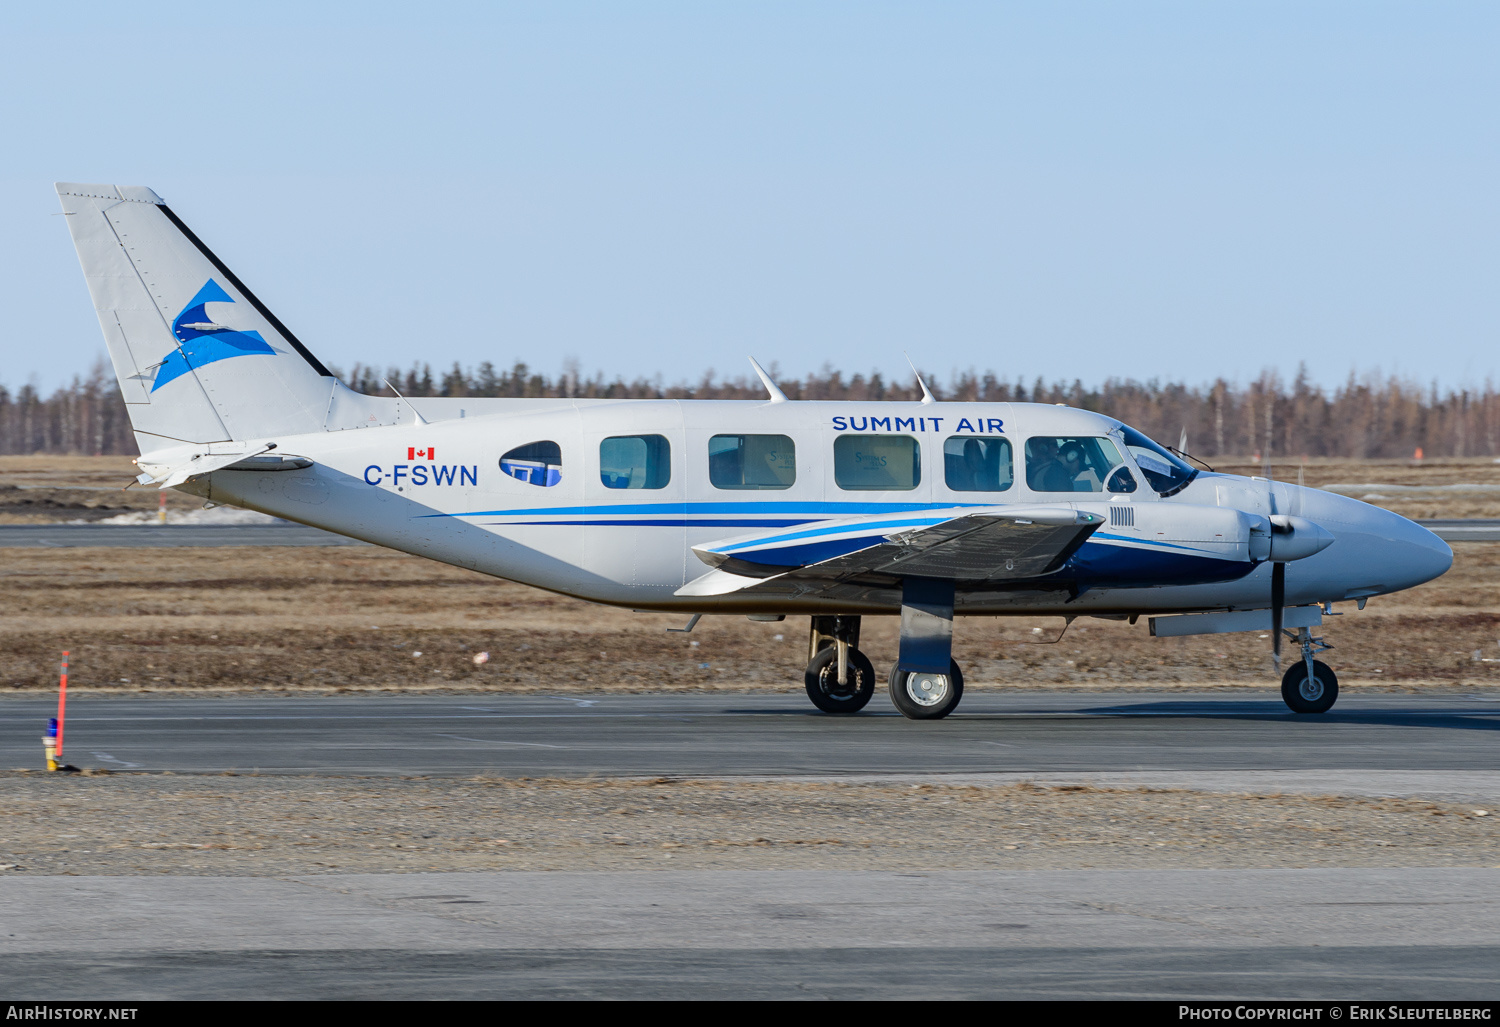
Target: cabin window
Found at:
x=877, y=463
x=635, y=462
x=752, y=462
x=977, y=465
x=536, y=463
x=1064, y=464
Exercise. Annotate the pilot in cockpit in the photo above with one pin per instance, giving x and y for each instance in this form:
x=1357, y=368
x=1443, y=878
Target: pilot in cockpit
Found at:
x=1045, y=471
x=1080, y=469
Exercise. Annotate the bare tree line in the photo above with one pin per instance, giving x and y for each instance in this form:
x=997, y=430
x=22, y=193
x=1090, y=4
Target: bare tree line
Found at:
x=1366, y=416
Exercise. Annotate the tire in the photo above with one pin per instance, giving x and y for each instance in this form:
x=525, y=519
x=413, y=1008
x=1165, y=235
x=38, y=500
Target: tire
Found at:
x=1305, y=696
x=822, y=680
x=916, y=703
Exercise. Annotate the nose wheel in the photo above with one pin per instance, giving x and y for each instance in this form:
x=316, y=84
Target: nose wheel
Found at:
x=1310, y=693
x=1309, y=685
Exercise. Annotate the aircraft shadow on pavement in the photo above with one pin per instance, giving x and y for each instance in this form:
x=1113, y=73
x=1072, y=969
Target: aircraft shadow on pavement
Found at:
x=1275, y=710
x=1259, y=710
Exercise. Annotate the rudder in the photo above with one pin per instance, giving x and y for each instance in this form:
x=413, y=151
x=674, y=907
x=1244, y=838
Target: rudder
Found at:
x=199, y=358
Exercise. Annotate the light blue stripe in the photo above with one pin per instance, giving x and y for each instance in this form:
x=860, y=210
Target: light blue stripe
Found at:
x=874, y=527
x=845, y=509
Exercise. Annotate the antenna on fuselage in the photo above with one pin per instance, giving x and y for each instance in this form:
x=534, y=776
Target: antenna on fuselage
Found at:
x=418, y=419
x=927, y=396
x=777, y=396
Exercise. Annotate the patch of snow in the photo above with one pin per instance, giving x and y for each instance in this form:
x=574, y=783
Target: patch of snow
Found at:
x=216, y=515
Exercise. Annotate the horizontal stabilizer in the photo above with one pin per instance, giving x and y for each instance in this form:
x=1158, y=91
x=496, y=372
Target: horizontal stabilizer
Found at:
x=170, y=467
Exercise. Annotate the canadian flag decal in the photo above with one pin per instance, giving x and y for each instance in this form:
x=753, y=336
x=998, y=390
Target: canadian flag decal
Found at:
x=430, y=453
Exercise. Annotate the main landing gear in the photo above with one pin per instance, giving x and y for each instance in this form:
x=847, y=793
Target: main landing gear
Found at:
x=923, y=695
x=840, y=678
x=1309, y=685
x=924, y=684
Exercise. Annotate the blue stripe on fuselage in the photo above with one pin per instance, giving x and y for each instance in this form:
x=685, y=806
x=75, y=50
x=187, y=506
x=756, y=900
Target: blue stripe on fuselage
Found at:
x=656, y=523
x=711, y=509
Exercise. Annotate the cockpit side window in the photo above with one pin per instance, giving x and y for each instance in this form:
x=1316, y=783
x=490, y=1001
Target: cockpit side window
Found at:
x=536, y=463
x=1164, y=471
x=977, y=465
x=1070, y=464
x=1121, y=482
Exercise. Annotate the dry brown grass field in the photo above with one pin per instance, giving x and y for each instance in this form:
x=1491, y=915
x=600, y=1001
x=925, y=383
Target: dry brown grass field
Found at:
x=367, y=618
x=268, y=826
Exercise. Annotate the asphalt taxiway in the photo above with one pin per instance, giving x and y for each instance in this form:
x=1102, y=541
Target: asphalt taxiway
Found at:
x=737, y=734
x=157, y=536
x=1243, y=934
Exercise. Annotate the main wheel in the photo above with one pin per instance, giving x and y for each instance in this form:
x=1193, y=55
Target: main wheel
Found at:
x=823, y=686
x=923, y=695
x=1305, y=694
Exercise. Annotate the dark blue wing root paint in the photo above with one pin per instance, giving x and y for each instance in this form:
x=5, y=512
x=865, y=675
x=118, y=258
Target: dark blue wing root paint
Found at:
x=1099, y=565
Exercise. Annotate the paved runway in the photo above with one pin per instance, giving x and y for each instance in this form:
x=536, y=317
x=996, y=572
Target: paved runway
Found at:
x=155, y=535
x=1474, y=530
x=1251, y=934
x=1372, y=934
x=713, y=735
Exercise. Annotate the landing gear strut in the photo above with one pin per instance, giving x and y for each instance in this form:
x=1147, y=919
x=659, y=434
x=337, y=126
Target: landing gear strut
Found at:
x=1309, y=685
x=925, y=683
x=839, y=678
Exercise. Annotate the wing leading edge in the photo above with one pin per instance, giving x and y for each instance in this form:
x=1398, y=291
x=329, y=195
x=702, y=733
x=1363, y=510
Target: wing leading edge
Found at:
x=976, y=548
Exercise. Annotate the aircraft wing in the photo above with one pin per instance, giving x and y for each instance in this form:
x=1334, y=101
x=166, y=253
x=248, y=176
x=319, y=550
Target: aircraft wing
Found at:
x=977, y=547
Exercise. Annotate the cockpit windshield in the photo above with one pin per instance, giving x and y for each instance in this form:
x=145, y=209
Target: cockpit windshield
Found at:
x=1164, y=471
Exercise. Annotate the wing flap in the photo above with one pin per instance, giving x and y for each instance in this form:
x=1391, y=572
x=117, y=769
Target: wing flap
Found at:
x=977, y=549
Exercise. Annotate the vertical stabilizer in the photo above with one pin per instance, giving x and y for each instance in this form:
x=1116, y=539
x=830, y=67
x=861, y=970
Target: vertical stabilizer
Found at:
x=198, y=357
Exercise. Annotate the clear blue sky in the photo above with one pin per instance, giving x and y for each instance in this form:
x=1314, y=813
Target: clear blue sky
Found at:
x=1169, y=190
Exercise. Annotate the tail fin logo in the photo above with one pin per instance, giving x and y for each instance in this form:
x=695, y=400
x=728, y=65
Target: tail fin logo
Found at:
x=201, y=341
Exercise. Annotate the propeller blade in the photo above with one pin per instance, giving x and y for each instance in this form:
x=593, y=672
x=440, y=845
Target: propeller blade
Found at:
x=1278, y=600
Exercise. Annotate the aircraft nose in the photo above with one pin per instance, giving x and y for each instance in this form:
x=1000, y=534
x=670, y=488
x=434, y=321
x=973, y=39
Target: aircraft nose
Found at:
x=1421, y=554
x=1375, y=551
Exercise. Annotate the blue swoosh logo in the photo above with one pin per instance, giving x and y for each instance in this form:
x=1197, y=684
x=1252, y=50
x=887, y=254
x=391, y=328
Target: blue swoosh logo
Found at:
x=197, y=347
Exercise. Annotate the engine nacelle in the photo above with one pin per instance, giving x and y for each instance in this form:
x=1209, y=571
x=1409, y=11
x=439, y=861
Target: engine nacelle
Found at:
x=1296, y=538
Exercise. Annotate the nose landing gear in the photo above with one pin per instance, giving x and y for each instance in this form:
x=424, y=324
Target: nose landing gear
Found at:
x=1309, y=685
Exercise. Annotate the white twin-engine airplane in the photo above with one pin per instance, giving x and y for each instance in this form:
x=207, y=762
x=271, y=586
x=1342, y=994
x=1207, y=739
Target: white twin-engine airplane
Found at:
x=765, y=509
